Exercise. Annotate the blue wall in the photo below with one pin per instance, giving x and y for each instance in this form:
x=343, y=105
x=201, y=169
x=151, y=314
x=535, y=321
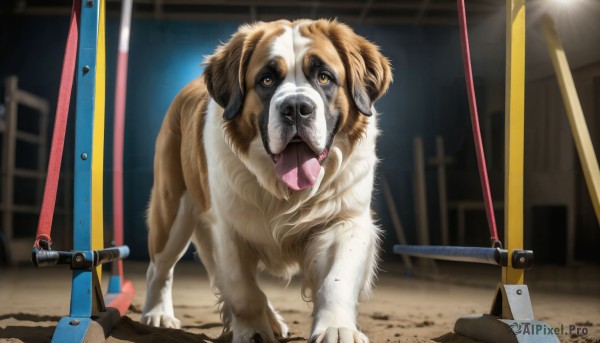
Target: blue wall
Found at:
x=165, y=55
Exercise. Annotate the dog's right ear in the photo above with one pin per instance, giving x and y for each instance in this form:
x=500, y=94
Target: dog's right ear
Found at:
x=225, y=70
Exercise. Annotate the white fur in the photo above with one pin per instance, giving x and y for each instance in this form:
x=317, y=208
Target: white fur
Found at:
x=291, y=46
x=251, y=205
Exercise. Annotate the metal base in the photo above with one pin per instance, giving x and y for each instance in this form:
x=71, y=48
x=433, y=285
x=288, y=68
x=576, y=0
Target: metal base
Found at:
x=83, y=326
x=97, y=328
x=491, y=329
x=511, y=320
x=71, y=329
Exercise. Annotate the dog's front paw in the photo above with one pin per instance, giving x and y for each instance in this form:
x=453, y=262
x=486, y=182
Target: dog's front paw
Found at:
x=162, y=320
x=252, y=336
x=338, y=335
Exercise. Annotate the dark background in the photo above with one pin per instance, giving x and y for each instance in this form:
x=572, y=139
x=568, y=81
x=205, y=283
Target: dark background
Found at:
x=427, y=99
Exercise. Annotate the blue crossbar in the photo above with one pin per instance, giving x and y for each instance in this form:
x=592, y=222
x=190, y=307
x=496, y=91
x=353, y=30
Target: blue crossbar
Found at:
x=495, y=256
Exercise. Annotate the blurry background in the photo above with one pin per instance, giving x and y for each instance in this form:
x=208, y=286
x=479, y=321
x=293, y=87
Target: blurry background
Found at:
x=427, y=99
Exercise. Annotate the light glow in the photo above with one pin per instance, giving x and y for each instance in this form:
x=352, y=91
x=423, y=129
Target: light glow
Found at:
x=565, y=3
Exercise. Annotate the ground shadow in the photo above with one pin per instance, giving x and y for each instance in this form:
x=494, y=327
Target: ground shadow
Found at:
x=126, y=329
x=29, y=334
x=452, y=337
x=33, y=334
x=30, y=317
x=129, y=330
x=203, y=326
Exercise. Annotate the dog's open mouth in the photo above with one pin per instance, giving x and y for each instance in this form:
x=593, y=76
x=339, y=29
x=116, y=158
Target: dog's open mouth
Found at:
x=298, y=166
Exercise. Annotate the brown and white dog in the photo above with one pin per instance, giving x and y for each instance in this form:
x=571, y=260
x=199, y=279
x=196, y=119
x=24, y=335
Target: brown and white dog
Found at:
x=267, y=161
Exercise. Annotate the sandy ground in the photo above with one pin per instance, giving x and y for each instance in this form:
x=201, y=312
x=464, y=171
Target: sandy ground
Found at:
x=403, y=309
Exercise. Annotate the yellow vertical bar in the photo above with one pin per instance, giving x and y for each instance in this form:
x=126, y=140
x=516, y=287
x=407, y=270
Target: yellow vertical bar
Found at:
x=581, y=135
x=98, y=139
x=514, y=135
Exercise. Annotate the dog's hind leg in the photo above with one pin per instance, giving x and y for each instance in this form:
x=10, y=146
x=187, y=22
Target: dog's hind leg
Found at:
x=202, y=240
x=170, y=224
x=158, y=308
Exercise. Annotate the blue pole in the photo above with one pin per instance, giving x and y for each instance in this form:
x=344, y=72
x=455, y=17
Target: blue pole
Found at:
x=81, y=291
x=495, y=256
x=75, y=327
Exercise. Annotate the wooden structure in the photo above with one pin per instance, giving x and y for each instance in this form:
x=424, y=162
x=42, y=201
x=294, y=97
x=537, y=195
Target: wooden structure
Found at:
x=19, y=247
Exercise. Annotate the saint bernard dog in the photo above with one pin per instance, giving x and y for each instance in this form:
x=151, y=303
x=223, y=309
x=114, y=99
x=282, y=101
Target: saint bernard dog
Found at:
x=267, y=162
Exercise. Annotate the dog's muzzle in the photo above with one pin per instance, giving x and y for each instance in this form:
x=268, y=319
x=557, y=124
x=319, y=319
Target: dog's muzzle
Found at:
x=299, y=164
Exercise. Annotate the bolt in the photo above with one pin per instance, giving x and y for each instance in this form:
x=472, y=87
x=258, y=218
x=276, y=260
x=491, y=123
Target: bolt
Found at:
x=90, y=3
x=519, y=292
x=78, y=258
x=522, y=259
x=74, y=322
x=84, y=156
x=86, y=69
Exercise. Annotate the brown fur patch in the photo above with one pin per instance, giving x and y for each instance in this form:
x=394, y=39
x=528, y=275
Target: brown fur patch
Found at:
x=365, y=69
x=193, y=154
x=179, y=163
x=238, y=61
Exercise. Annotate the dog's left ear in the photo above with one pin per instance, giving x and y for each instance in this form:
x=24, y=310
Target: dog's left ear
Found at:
x=368, y=71
x=225, y=69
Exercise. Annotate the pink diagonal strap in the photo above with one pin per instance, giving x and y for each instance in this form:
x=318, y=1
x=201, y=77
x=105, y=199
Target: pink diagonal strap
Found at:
x=483, y=177
x=42, y=239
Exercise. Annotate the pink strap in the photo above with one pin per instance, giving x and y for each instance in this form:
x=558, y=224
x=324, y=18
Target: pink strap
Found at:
x=118, y=142
x=483, y=177
x=42, y=239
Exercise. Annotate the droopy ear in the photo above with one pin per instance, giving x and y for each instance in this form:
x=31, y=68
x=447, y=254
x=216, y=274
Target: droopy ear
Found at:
x=225, y=70
x=368, y=71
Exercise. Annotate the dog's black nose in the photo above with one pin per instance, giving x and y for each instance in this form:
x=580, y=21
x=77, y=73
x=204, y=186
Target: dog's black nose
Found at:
x=297, y=107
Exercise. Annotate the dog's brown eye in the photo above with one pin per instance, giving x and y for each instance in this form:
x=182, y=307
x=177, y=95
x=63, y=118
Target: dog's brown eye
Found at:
x=324, y=78
x=267, y=81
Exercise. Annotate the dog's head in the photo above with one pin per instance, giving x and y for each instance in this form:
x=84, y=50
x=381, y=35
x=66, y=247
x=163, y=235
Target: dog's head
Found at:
x=296, y=86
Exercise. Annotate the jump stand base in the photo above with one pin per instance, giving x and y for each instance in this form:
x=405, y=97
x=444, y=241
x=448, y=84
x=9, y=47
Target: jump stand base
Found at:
x=71, y=329
x=511, y=320
x=80, y=328
x=492, y=329
x=96, y=329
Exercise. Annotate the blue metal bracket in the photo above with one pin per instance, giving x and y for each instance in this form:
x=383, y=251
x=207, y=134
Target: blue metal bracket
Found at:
x=86, y=295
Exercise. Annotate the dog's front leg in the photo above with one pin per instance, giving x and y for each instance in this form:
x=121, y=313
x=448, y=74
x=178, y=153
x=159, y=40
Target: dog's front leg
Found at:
x=341, y=267
x=245, y=306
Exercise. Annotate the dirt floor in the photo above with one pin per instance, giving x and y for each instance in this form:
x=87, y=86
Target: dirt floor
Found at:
x=403, y=309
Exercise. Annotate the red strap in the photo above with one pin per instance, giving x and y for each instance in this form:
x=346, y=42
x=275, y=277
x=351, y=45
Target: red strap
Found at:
x=483, y=177
x=42, y=239
x=119, y=130
x=119, y=133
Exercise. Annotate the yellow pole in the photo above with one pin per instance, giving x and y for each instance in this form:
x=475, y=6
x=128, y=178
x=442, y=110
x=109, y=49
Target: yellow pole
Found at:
x=514, y=135
x=98, y=139
x=581, y=135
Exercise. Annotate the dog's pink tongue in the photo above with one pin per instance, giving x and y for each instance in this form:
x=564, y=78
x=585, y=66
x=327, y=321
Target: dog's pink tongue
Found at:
x=297, y=166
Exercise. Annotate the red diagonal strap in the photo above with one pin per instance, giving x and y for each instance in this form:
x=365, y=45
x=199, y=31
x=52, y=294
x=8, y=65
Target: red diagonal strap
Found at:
x=42, y=239
x=483, y=177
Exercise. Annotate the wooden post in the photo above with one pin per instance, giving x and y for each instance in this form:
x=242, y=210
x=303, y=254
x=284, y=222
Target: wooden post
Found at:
x=421, y=203
x=42, y=153
x=10, y=135
x=440, y=160
x=389, y=200
x=581, y=135
x=421, y=193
